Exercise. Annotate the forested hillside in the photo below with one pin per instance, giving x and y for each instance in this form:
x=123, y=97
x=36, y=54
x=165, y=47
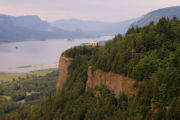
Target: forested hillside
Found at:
x=150, y=55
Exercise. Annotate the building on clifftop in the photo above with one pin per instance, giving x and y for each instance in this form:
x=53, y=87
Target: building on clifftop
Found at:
x=94, y=43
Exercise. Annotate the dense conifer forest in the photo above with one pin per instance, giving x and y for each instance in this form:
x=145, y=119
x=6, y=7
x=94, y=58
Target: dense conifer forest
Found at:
x=150, y=55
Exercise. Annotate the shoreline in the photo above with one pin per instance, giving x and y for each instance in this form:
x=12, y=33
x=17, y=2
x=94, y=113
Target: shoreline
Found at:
x=9, y=76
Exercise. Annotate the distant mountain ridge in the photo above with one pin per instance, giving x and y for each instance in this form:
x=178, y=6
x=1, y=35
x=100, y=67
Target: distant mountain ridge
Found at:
x=13, y=29
x=32, y=22
x=154, y=16
x=94, y=27
x=31, y=27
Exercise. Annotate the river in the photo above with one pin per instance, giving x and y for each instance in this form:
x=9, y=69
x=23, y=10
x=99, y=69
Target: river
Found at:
x=36, y=55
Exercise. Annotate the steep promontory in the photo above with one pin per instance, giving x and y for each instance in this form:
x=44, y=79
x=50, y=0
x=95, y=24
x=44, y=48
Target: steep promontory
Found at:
x=63, y=72
x=115, y=82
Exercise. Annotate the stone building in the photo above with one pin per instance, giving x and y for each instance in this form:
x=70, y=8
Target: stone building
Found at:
x=94, y=43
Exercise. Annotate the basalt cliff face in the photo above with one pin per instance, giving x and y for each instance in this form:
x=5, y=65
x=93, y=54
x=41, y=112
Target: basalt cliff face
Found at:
x=63, y=72
x=115, y=82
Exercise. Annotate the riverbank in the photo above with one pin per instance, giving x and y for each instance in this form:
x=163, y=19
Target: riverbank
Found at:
x=8, y=76
x=35, y=55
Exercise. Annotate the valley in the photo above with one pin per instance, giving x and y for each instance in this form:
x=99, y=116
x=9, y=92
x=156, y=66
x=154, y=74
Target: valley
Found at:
x=20, y=90
x=150, y=92
x=68, y=69
x=8, y=77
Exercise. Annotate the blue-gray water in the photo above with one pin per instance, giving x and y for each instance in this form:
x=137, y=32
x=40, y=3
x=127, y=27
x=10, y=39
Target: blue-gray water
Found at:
x=13, y=55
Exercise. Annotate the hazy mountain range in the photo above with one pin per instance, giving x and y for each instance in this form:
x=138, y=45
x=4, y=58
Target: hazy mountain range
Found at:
x=33, y=28
x=94, y=27
x=110, y=28
x=22, y=28
x=169, y=12
x=32, y=22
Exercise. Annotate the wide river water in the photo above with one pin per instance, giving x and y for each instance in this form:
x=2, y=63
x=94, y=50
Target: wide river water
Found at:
x=36, y=55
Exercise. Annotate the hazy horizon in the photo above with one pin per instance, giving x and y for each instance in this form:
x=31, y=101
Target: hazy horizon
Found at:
x=96, y=10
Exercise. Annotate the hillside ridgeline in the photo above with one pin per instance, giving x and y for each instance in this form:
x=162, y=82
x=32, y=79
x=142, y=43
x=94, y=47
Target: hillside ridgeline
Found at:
x=63, y=72
x=156, y=15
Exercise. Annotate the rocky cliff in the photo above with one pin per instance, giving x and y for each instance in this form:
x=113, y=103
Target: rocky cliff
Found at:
x=115, y=82
x=63, y=72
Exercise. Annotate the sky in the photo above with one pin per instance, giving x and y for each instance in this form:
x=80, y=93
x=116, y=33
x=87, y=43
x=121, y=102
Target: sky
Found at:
x=96, y=10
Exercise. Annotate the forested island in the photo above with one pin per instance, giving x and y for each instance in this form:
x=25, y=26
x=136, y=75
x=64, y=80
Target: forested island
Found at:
x=150, y=55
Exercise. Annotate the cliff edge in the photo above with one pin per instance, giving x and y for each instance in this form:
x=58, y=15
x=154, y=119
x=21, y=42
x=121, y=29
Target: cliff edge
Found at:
x=115, y=82
x=63, y=72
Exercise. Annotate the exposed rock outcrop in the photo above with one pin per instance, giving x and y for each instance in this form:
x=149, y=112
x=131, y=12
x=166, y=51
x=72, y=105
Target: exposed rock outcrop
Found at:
x=115, y=82
x=63, y=72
